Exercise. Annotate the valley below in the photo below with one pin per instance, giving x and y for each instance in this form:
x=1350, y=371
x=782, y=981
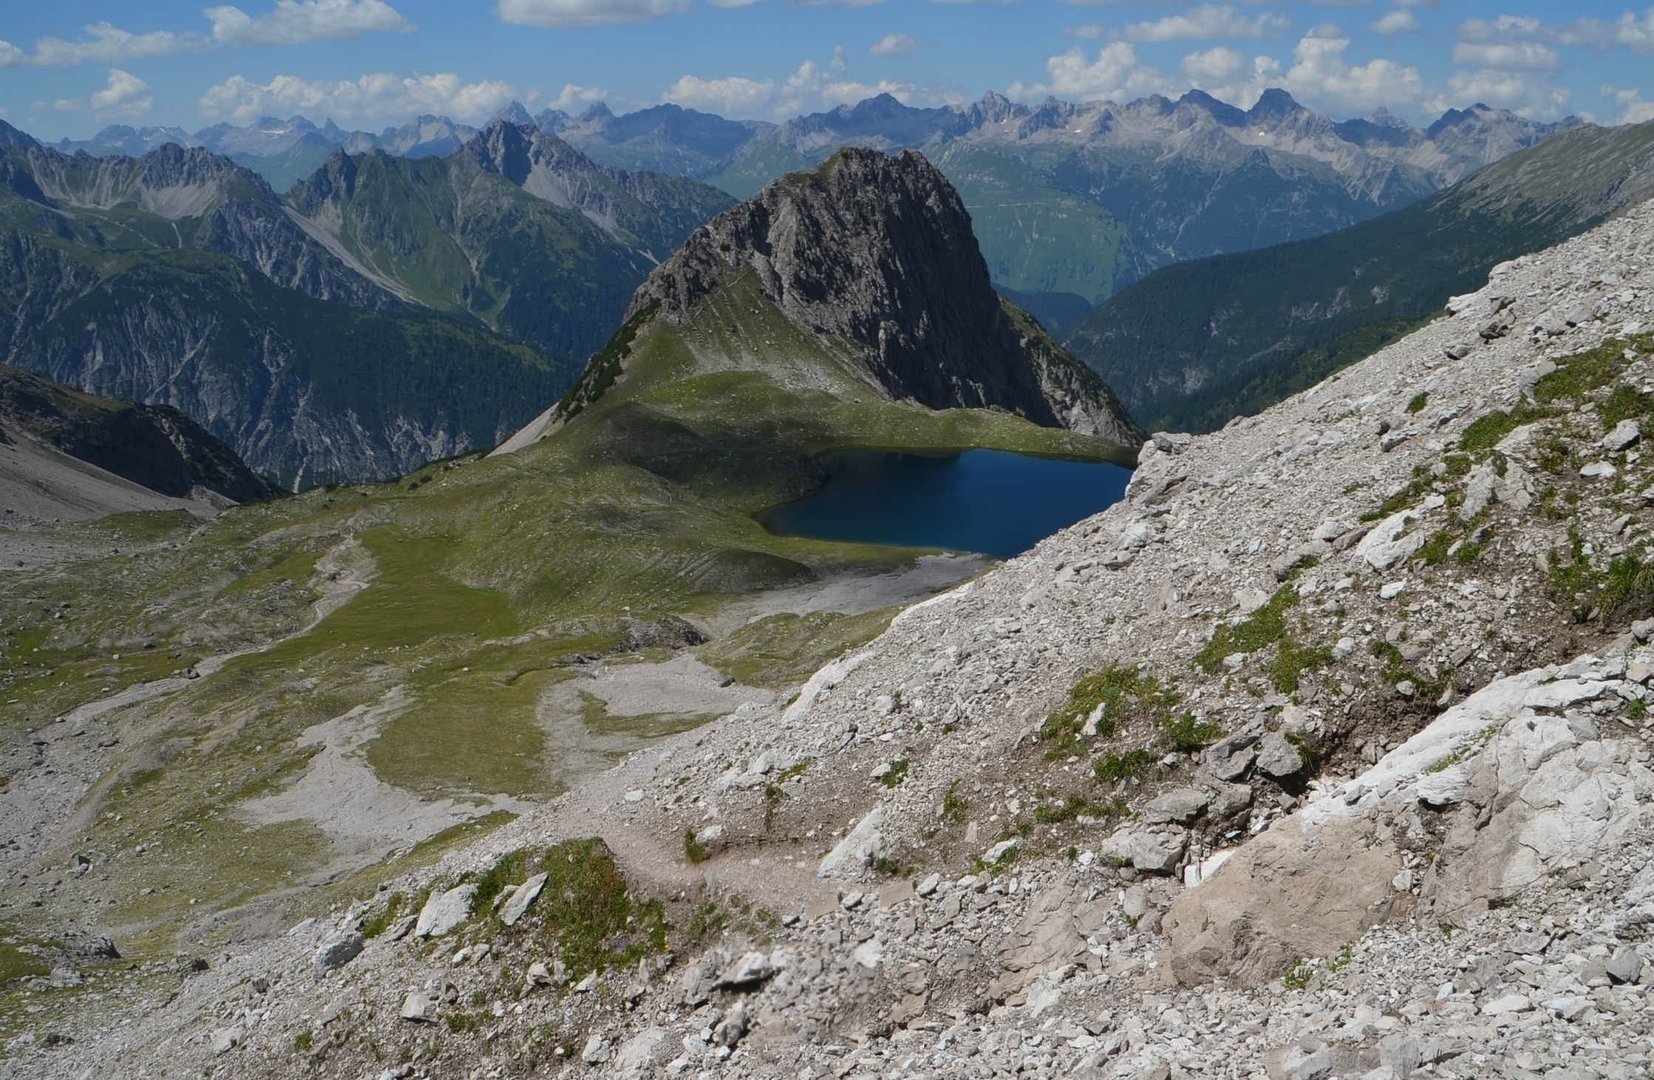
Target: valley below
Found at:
x=833, y=679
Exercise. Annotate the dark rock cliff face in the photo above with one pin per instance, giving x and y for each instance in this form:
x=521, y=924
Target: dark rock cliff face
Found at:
x=152, y=445
x=877, y=251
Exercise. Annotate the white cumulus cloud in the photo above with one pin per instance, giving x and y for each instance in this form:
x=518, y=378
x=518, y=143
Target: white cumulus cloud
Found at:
x=124, y=95
x=1398, y=21
x=1115, y=75
x=1520, y=92
x=1322, y=73
x=1205, y=23
x=290, y=22
x=1632, y=108
x=729, y=96
x=1213, y=66
x=893, y=45
x=1630, y=30
x=1502, y=28
x=368, y=98
x=1506, y=56
x=575, y=97
x=293, y=22
x=105, y=43
x=811, y=87
x=585, y=12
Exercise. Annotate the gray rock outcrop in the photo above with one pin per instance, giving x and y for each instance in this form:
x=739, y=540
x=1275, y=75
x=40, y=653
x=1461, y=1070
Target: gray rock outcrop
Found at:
x=875, y=254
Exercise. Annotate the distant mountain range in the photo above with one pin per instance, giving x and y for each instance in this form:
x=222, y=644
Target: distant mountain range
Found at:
x=1197, y=344
x=415, y=292
x=282, y=151
x=387, y=312
x=1071, y=202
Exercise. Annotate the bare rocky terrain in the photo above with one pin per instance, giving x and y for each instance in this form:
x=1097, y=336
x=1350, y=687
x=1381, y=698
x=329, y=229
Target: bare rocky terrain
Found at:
x=1325, y=753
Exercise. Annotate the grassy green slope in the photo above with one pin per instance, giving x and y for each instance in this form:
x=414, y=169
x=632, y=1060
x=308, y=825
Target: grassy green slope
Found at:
x=1196, y=344
x=492, y=576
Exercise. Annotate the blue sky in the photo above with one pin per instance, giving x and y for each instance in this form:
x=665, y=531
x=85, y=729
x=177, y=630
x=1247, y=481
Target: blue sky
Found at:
x=69, y=68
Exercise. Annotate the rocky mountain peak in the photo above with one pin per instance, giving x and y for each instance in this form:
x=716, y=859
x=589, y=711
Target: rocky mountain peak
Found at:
x=516, y=150
x=994, y=108
x=1274, y=104
x=515, y=113
x=10, y=136
x=1220, y=111
x=598, y=112
x=876, y=251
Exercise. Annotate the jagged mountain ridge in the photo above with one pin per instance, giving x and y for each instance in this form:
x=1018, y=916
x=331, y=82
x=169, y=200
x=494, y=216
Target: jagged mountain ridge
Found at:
x=1110, y=191
x=516, y=228
x=410, y=261
x=179, y=278
x=872, y=257
x=207, y=202
x=1085, y=198
x=1196, y=344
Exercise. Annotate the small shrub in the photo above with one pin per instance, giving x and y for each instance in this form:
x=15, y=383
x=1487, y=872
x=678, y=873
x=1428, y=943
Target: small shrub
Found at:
x=1188, y=734
x=1298, y=975
x=773, y=797
x=1434, y=551
x=1486, y=432
x=1113, y=767
x=1125, y=692
x=704, y=922
x=693, y=850
x=954, y=805
x=1551, y=453
x=1257, y=631
x=509, y=869
x=303, y=1041
x=1070, y=808
x=377, y=922
x=894, y=775
x=1626, y=403
x=590, y=915
x=1420, y=400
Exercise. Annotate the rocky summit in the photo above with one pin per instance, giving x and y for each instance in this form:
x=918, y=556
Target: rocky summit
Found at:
x=1325, y=753
x=874, y=255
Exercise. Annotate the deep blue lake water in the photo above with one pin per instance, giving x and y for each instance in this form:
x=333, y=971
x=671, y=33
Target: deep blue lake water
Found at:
x=985, y=501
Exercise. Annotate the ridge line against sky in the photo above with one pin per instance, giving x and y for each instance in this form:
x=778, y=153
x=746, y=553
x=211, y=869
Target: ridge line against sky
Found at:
x=67, y=70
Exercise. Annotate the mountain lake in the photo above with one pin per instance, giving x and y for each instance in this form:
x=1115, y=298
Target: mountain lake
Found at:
x=985, y=501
